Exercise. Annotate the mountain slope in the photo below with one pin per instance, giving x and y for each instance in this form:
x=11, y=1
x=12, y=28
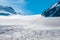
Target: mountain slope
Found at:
x=53, y=11
x=5, y=10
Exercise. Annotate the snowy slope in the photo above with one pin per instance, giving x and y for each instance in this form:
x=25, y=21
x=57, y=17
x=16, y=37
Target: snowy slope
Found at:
x=53, y=11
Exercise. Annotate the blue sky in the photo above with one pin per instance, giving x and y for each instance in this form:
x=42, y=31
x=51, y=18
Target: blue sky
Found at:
x=28, y=7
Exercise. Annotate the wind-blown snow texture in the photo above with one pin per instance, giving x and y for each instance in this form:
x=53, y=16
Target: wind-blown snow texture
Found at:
x=14, y=32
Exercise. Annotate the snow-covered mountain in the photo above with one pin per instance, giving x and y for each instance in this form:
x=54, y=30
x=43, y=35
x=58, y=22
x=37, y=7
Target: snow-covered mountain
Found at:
x=53, y=11
x=6, y=11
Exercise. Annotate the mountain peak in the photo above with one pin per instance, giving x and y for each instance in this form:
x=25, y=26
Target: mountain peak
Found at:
x=6, y=11
x=53, y=11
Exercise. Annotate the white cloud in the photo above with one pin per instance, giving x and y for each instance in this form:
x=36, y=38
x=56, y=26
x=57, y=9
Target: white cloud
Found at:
x=23, y=2
x=13, y=2
x=3, y=2
x=20, y=2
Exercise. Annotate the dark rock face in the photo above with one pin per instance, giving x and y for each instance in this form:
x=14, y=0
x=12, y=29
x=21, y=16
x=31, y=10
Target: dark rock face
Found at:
x=53, y=11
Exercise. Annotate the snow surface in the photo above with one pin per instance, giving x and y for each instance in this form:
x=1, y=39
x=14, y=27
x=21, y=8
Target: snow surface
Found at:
x=35, y=21
x=35, y=27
